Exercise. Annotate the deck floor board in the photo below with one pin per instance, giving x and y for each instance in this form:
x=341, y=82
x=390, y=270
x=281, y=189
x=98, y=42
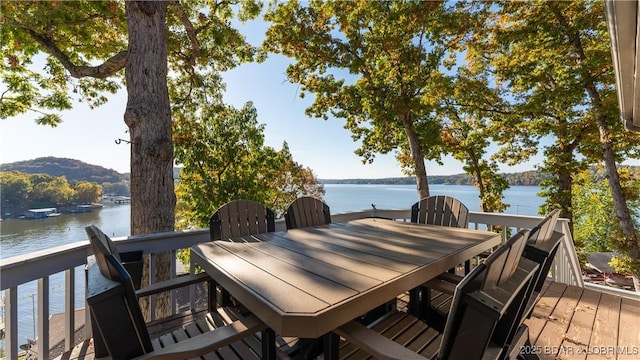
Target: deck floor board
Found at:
x=567, y=323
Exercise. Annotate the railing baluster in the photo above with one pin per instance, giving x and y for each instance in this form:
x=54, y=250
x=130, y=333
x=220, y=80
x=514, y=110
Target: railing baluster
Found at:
x=192, y=288
x=69, y=308
x=152, y=298
x=43, y=318
x=173, y=296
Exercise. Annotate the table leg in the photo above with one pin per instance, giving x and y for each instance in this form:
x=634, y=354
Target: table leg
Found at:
x=415, y=302
x=331, y=346
x=213, y=296
x=268, y=344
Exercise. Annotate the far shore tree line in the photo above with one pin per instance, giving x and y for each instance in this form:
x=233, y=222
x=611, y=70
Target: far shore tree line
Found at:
x=20, y=192
x=421, y=79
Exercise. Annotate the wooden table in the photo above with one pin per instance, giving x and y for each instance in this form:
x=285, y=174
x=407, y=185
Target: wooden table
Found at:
x=306, y=282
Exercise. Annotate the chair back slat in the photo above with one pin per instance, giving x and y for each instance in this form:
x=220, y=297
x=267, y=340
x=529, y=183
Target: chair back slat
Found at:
x=102, y=247
x=241, y=218
x=307, y=211
x=503, y=262
x=436, y=210
x=543, y=231
x=440, y=210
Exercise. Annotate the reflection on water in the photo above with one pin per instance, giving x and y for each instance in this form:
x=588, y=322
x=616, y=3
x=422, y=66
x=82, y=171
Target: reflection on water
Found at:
x=19, y=236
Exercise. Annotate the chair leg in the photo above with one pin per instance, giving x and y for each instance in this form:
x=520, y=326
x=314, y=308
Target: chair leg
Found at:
x=521, y=347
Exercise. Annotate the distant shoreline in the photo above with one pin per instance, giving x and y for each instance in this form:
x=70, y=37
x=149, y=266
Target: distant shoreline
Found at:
x=527, y=178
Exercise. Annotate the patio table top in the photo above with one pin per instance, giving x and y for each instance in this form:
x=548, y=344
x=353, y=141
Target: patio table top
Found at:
x=306, y=282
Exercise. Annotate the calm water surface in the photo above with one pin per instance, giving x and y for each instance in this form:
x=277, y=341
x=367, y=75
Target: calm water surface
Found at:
x=341, y=198
x=18, y=237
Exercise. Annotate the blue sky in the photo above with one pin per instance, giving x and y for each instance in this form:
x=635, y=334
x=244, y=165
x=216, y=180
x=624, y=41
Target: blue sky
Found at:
x=324, y=146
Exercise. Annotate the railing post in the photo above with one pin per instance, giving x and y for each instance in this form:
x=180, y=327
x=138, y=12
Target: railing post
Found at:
x=11, y=323
x=70, y=309
x=43, y=318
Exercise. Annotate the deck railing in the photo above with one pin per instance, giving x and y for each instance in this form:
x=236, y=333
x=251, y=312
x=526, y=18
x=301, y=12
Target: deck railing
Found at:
x=40, y=266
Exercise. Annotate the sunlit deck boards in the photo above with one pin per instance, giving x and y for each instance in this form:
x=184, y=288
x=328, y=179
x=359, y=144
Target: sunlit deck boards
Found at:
x=567, y=323
x=575, y=323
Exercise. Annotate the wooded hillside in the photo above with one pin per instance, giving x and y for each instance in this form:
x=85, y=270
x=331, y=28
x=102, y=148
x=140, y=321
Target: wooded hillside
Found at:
x=73, y=170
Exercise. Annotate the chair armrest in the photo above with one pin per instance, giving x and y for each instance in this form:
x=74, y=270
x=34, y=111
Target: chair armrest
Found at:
x=175, y=283
x=209, y=341
x=375, y=344
x=445, y=282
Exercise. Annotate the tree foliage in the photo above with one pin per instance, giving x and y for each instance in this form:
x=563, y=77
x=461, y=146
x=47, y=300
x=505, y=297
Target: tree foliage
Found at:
x=555, y=60
x=87, y=192
x=74, y=35
x=377, y=65
x=596, y=226
x=468, y=108
x=224, y=158
x=15, y=190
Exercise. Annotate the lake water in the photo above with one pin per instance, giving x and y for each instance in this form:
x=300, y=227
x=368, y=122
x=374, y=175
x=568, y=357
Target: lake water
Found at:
x=523, y=200
x=19, y=237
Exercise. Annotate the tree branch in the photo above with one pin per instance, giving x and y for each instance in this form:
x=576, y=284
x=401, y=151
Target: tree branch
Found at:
x=191, y=32
x=102, y=71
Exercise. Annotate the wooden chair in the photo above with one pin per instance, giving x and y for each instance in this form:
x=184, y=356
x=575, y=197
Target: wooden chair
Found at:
x=239, y=218
x=541, y=247
x=444, y=211
x=121, y=332
x=307, y=211
x=440, y=210
x=476, y=326
x=118, y=323
x=103, y=246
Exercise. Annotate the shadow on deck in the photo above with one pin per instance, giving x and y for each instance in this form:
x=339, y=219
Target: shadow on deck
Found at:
x=567, y=323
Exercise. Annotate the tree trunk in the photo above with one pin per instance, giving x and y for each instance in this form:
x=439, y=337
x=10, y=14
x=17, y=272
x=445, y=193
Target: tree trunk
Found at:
x=630, y=239
x=565, y=185
x=476, y=172
x=148, y=117
x=418, y=157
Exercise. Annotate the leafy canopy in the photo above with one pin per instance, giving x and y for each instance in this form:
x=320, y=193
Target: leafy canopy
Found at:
x=369, y=63
x=224, y=158
x=57, y=53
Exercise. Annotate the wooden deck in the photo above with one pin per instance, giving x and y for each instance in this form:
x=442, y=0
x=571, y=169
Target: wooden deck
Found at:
x=567, y=323
x=575, y=323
